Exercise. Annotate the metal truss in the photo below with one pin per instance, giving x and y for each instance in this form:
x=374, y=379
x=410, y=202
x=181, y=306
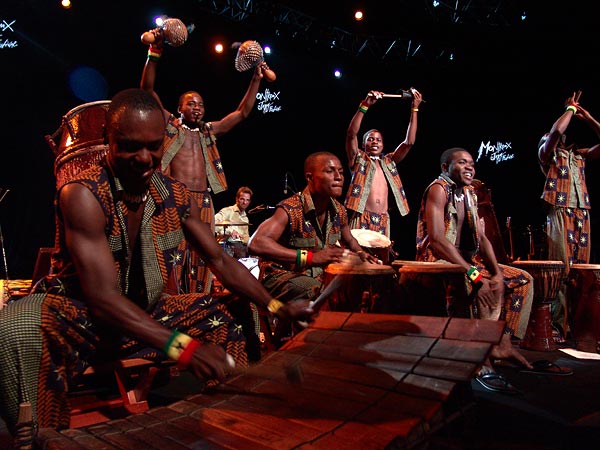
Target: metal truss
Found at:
x=400, y=48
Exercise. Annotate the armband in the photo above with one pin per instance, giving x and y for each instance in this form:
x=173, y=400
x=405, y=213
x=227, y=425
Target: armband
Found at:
x=474, y=275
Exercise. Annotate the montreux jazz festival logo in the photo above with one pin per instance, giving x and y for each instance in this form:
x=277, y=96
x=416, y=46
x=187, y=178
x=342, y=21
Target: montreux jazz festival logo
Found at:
x=6, y=26
x=267, y=101
x=498, y=152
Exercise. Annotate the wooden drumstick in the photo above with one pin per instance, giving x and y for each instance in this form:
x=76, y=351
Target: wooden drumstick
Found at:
x=293, y=372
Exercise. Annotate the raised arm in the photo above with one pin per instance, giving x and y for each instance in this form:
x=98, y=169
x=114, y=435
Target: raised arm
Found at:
x=583, y=114
x=354, y=127
x=244, y=109
x=411, y=132
x=149, y=73
x=559, y=127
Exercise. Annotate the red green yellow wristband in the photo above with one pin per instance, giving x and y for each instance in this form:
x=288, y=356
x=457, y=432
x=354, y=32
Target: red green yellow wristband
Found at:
x=154, y=53
x=177, y=344
x=363, y=107
x=186, y=355
x=474, y=275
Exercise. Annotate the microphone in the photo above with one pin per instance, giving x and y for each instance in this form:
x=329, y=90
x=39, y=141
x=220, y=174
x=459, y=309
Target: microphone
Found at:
x=285, y=186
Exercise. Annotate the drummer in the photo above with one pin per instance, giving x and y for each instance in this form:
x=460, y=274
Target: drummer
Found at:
x=305, y=232
x=234, y=232
x=449, y=229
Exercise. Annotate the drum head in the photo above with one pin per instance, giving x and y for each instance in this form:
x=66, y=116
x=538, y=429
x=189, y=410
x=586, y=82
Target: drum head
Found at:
x=370, y=238
x=430, y=267
x=359, y=269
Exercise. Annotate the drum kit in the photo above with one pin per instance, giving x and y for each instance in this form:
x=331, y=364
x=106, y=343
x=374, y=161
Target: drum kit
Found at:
x=233, y=247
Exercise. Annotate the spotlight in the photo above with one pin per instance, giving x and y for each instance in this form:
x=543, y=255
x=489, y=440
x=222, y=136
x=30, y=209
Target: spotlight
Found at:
x=435, y=3
x=337, y=73
x=451, y=57
x=160, y=20
x=358, y=15
x=66, y=4
x=524, y=15
x=219, y=48
x=267, y=49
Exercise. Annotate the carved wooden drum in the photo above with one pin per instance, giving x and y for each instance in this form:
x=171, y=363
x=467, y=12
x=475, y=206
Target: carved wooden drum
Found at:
x=583, y=297
x=82, y=144
x=364, y=287
x=547, y=278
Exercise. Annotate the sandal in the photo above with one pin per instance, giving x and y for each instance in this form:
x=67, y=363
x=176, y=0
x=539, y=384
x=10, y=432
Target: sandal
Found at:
x=493, y=381
x=545, y=367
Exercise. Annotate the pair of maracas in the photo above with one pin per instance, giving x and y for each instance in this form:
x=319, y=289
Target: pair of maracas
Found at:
x=175, y=33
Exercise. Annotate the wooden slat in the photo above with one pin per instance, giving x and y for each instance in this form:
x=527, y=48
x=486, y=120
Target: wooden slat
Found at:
x=368, y=381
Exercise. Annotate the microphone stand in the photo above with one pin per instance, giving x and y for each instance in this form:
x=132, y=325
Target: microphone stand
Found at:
x=2, y=195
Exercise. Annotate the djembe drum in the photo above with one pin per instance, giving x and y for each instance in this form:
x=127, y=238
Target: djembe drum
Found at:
x=432, y=288
x=82, y=143
x=374, y=243
x=547, y=278
x=364, y=287
x=583, y=297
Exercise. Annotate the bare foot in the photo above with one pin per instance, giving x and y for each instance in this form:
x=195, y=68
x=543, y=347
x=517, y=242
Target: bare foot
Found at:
x=505, y=350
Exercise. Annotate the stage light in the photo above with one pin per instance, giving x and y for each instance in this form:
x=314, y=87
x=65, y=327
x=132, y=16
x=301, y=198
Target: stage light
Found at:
x=358, y=15
x=435, y=3
x=219, y=48
x=267, y=50
x=451, y=57
x=66, y=4
x=524, y=15
x=337, y=73
x=160, y=20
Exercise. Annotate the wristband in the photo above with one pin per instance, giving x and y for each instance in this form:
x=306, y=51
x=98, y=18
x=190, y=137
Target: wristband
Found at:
x=274, y=306
x=186, y=355
x=176, y=344
x=571, y=108
x=154, y=53
x=363, y=107
x=474, y=275
x=309, y=257
x=414, y=109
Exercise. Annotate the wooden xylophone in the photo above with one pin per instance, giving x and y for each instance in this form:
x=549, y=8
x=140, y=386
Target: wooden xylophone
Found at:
x=368, y=381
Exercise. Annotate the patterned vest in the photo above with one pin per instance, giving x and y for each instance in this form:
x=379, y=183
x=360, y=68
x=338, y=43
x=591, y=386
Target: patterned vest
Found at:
x=303, y=231
x=174, y=139
x=363, y=171
x=160, y=234
x=560, y=173
x=424, y=250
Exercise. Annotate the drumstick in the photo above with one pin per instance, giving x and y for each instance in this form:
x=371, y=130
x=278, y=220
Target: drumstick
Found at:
x=332, y=286
x=293, y=372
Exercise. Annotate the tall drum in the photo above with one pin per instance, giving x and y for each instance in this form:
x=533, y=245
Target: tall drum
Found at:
x=583, y=296
x=547, y=278
x=82, y=140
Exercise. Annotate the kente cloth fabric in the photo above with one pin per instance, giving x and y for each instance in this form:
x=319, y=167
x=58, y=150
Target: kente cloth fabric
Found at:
x=48, y=337
x=174, y=140
x=305, y=233
x=518, y=297
x=565, y=179
x=233, y=214
x=196, y=277
x=369, y=220
x=363, y=170
x=568, y=224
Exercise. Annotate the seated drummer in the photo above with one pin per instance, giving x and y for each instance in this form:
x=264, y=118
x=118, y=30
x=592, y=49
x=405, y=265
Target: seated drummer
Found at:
x=305, y=232
x=449, y=229
x=235, y=214
x=119, y=228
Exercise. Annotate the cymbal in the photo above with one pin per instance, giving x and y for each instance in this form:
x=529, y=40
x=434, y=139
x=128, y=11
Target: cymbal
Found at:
x=231, y=224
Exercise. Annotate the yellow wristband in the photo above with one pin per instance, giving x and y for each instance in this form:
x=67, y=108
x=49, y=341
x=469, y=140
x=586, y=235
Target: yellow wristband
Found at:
x=571, y=108
x=415, y=109
x=274, y=306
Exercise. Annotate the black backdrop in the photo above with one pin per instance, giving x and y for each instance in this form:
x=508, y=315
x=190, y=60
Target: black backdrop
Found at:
x=502, y=87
